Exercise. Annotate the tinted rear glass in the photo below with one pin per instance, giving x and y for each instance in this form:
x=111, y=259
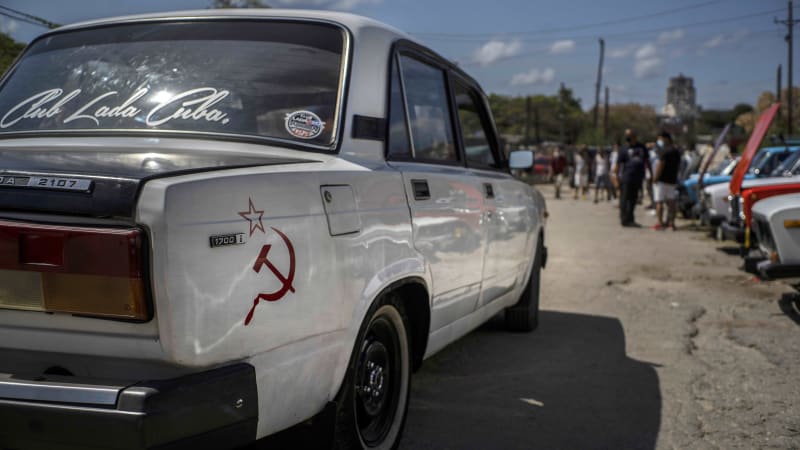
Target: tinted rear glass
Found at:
x=264, y=78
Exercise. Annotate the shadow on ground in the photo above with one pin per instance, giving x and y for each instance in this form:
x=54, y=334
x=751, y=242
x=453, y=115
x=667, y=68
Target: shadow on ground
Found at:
x=568, y=385
x=790, y=305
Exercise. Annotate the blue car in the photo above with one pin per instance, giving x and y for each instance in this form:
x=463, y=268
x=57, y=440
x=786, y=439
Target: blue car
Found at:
x=763, y=164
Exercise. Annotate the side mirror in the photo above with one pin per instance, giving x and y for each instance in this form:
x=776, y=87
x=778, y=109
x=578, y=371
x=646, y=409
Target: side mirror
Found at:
x=520, y=159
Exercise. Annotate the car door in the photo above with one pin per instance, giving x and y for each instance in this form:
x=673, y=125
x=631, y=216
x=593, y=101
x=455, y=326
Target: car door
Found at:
x=445, y=200
x=508, y=206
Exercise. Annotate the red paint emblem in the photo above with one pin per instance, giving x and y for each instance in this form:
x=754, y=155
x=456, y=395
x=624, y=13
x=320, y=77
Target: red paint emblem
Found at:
x=286, y=280
x=253, y=216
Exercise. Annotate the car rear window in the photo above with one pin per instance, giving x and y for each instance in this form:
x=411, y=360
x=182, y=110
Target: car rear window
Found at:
x=267, y=78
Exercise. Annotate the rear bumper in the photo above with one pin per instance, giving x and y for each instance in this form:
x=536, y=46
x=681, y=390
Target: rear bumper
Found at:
x=212, y=409
x=732, y=232
x=774, y=271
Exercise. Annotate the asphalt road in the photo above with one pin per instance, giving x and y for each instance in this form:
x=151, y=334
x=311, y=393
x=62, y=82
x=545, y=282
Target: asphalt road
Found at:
x=646, y=340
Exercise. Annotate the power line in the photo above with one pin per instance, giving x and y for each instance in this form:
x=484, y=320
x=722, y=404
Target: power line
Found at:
x=588, y=25
x=22, y=19
x=30, y=17
x=477, y=37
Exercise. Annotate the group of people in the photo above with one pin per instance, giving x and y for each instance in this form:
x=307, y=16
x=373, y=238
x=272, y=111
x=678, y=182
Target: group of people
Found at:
x=628, y=173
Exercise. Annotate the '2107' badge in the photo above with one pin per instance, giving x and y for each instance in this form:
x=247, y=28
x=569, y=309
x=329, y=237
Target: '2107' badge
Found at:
x=304, y=124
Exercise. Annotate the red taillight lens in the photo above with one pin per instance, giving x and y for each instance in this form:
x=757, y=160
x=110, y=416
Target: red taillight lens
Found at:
x=79, y=270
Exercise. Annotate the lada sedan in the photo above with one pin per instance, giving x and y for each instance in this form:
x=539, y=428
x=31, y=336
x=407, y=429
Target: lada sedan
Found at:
x=215, y=225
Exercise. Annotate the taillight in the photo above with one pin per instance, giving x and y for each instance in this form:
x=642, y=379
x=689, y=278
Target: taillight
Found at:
x=77, y=270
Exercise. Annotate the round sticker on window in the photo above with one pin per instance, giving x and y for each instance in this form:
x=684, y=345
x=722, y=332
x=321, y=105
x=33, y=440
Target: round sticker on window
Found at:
x=304, y=124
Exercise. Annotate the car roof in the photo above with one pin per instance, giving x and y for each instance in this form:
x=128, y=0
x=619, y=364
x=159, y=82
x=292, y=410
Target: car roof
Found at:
x=779, y=149
x=353, y=22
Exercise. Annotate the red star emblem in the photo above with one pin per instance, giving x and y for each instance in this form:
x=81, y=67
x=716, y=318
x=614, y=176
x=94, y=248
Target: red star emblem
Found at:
x=253, y=216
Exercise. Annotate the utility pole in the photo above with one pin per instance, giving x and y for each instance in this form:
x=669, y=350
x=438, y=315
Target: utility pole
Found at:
x=561, y=114
x=536, y=125
x=599, y=82
x=778, y=93
x=605, y=117
x=789, y=22
x=527, y=121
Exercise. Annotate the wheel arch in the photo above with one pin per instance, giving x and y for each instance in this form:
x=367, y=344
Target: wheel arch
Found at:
x=416, y=298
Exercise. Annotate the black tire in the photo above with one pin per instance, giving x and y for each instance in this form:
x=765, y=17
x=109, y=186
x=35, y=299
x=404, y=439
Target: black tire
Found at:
x=372, y=403
x=524, y=315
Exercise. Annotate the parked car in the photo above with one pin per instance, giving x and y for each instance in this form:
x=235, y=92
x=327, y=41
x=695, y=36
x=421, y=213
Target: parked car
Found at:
x=218, y=224
x=541, y=167
x=763, y=164
x=736, y=225
x=776, y=224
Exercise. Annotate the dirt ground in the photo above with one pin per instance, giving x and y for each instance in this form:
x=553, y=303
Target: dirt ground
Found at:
x=646, y=340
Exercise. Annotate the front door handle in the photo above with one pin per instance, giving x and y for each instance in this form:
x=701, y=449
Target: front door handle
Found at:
x=488, y=190
x=421, y=189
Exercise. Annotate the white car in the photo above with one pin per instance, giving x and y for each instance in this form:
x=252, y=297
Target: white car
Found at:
x=717, y=200
x=776, y=224
x=218, y=224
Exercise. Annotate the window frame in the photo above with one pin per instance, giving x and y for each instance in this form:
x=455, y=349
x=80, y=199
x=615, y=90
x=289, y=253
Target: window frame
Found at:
x=487, y=123
x=424, y=56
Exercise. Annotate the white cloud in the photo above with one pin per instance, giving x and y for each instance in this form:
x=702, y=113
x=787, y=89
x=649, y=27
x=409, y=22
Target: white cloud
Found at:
x=671, y=36
x=722, y=39
x=647, y=51
x=561, y=47
x=9, y=26
x=534, y=76
x=648, y=68
x=494, y=50
x=621, y=52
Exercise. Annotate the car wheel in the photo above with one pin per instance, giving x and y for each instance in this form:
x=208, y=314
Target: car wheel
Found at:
x=524, y=315
x=373, y=400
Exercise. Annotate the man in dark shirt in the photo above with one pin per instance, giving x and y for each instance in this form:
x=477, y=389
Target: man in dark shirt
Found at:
x=666, y=180
x=630, y=171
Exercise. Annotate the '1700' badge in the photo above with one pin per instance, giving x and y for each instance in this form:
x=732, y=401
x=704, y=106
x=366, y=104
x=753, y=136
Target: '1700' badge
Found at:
x=304, y=124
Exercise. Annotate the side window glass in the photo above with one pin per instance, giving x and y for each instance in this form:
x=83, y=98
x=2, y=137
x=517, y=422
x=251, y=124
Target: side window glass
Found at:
x=428, y=111
x=473, y=133
x=399, y=145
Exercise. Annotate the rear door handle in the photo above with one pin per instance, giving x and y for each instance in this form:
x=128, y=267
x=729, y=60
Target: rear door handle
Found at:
x=488, y=190
x=421, y=189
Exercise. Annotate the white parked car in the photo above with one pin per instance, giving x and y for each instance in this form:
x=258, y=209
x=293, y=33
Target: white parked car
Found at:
x=217, y=224
x=776, y=224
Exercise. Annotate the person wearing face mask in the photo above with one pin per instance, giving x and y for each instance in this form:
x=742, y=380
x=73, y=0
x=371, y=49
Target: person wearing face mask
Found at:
x=630, y=167
x=666, y=181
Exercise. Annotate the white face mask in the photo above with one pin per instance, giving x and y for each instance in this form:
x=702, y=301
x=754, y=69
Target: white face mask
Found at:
x=660, y=143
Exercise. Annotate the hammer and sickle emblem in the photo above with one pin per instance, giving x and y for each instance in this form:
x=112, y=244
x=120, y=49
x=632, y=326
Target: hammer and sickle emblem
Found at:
x=286, y=281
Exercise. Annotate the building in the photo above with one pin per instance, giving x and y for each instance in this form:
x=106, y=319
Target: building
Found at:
x=681, y=103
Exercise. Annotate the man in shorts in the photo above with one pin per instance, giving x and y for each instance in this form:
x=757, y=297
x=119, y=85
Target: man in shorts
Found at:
x=666, y=181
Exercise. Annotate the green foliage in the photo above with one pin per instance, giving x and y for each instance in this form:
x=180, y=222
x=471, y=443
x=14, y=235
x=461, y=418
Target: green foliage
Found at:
x=9, y=50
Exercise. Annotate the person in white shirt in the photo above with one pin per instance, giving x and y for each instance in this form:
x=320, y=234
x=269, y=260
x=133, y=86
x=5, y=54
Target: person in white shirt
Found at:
x=602, y=181
x=582, y=172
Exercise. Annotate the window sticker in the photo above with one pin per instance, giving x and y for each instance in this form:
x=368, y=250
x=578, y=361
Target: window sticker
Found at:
x=163, y=107
x=304, y=124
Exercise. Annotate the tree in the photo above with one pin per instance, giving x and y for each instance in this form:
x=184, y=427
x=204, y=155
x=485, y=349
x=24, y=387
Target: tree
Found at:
x=9, y=50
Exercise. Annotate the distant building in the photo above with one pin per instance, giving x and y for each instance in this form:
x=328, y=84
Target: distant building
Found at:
x=681, y=103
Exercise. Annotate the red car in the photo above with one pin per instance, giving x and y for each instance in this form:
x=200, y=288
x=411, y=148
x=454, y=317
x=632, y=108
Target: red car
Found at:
x=541, y=166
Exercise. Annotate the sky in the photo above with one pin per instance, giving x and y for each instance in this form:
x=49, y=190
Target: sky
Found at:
x=525, y=47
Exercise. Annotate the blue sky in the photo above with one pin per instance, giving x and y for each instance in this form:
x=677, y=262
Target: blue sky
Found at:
x=730, y=47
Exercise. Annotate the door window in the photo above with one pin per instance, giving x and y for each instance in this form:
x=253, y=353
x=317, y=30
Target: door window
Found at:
x=428, y=111
x=399, y=145
x=474, y=133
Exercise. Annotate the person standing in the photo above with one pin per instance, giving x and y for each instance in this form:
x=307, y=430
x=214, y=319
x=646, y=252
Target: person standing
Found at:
x=666, y=181
x=558, y=166
x=602, y=180
x=630, y=170
x=582, y=172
